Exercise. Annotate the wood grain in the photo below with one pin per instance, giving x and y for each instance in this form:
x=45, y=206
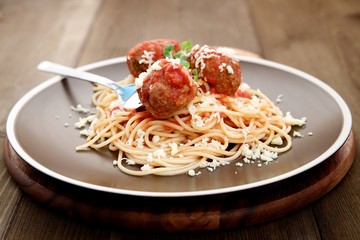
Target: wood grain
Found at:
x=31, y=31
x=215, y=212
x=322, y=38
x=178, y=19
x=317, y=36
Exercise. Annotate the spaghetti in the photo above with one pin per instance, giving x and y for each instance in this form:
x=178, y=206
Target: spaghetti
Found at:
x=212, y=130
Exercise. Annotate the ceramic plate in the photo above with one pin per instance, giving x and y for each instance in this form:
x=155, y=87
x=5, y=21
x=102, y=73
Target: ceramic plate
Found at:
x=41, y=130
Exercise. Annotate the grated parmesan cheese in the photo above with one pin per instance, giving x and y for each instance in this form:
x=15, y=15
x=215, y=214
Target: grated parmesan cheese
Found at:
x=149, y=157
x=147, y=58
x=211, y=166
x=207, y=100
x=130, y=162
x=277, y=141
x=84, y=121
x=140, y=79
x=159, y=153
x=139, y=141
x=229, y=69
x=205, y=142
x=279, y=98
x=118, y=103
x=239, y=164
x=174, y=148
x=86, y=132
x=244, y=86
x=80, y=108
x=227, y=52
x=154, y=67
x=204, y=53
x=156, y=139
x=81, y=123
x=294, y=121
x=268, y=156
x=146, y=167
x=257, y=152
x=297, y=134
x=192, y=173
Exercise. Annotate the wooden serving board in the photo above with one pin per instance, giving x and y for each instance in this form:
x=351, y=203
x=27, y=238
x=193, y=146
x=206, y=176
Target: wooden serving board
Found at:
x=223, y=211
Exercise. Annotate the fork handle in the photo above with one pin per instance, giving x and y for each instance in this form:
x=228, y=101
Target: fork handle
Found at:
x=65, y=71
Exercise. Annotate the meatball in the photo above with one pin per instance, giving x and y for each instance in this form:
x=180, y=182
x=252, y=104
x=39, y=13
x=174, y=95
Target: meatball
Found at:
x=166, y=87
x=141, y=56
x=220, y=71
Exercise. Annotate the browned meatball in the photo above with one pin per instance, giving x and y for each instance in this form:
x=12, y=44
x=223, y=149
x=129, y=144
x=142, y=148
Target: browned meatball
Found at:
x=221, y=72
x=166, y=87
x=141, y=56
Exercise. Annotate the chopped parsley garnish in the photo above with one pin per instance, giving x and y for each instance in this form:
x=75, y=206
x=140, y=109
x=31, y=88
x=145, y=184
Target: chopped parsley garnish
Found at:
x=195, y=74
x=186, y=46
x=182, y=54
x=168, y=51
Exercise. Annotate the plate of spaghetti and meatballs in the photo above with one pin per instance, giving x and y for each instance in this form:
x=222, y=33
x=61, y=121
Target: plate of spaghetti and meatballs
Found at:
x=210, y=121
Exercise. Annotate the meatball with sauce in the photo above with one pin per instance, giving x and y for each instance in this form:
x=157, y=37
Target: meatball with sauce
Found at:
x=220, y=71
x=142, y=55
x=165, y=88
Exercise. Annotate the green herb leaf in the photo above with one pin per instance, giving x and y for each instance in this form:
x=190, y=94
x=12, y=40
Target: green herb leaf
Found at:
x=195, y=74
x=178, y=55
x=186, y=46
x=169, y=48
x=185, y=63
x=168, y=51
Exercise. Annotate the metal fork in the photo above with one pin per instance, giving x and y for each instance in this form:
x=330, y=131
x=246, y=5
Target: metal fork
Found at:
x=125, y=92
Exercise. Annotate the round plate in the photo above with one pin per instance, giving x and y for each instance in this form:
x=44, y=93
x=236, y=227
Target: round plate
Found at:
x=41, y=130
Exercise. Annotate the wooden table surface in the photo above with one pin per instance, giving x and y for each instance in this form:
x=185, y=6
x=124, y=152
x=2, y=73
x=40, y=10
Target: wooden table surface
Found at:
x=321, y=37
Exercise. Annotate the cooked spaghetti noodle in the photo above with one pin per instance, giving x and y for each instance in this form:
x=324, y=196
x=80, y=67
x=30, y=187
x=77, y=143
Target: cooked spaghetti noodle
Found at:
x=213, y=130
